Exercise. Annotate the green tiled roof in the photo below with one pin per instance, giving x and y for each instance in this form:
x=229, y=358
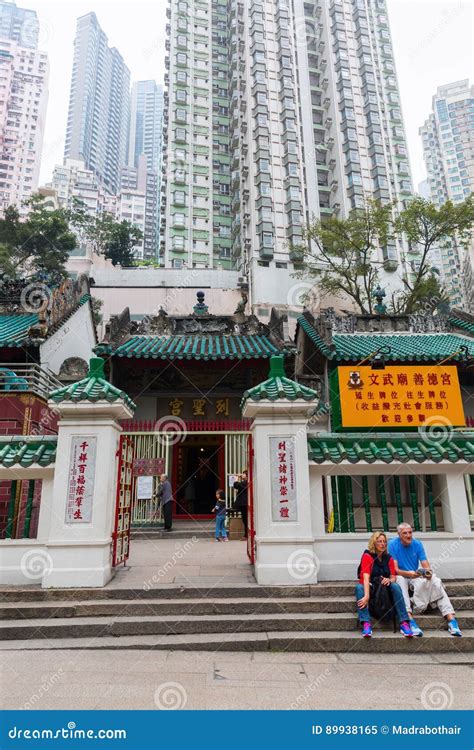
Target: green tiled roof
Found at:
x=388, y=448
x=92, y=388
x=315, y=337
x=464, y=324
x=197, y=346
x=278, y=386
x=14, y=328
x=405, y=347
x=25, y=451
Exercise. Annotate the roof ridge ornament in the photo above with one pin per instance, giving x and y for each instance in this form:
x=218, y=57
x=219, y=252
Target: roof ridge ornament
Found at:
x=200, y=308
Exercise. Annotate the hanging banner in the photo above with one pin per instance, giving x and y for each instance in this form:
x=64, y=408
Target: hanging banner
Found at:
x=81, y=479
x=283, y=478
x=402, y=396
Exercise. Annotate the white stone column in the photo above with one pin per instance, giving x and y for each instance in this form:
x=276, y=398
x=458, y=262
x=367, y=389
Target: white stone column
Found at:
x=451, y=489
x=284, y=548
x=80, y=552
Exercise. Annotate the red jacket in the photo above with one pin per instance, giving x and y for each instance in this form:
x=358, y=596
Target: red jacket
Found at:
x=367, y=563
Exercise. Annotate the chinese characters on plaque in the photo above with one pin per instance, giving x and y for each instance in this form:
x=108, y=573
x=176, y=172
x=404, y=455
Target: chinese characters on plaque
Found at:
x=81, y=479
x=410, y=396
x=283, y=479
x=201, y=407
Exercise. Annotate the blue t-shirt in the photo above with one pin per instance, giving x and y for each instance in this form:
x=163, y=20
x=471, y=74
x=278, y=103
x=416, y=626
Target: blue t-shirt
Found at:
x=409, y=557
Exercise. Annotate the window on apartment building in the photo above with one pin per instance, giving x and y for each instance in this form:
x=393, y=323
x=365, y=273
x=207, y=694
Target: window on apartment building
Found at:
x=181, y=95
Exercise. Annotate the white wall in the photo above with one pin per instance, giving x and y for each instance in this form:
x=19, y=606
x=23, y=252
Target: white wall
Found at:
x=75, y=338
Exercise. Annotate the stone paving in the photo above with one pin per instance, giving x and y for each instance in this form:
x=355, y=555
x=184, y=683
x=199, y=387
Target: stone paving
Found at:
x=203, y=680
x=193, y=561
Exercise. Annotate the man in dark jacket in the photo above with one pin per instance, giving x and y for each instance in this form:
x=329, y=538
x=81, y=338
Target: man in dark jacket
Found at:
x=166, y=496
x=241, y=502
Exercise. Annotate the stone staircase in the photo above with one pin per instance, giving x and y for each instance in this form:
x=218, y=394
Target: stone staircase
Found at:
x=181, y=530
x=226, y=618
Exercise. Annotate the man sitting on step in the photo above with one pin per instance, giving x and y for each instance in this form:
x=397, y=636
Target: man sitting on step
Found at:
x=413, y=571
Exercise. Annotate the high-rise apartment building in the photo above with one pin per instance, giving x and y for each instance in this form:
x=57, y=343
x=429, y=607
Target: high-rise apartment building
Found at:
x=146, y=139
x=448, y=137
x=146, y=124
x=277, y=113
x=24, y=75
x=99, y=104
x=19, y=24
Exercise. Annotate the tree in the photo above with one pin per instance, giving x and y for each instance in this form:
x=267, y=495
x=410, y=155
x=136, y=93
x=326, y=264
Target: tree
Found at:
x=112, y=239
x=425, y=227
x=39, y=245
x=343, y=253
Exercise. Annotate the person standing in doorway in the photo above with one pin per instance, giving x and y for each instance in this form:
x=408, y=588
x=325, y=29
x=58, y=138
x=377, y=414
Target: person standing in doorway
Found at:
x=219, y=510
x=241, y=502
x=166, y=497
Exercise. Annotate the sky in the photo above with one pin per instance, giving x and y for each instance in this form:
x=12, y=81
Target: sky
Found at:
x=433, y=45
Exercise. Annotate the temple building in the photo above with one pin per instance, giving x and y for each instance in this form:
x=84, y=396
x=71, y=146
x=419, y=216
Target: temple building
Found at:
x=187, y=374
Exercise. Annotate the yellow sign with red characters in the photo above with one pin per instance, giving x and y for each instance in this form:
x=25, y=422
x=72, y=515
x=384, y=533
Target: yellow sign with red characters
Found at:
x=404, y=396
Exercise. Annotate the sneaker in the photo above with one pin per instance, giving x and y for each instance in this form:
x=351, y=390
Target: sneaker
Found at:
x=415, y=629
x=406, y=630
x=217, y=540
x=367, y=630
x=225, y=539
x=453, y=628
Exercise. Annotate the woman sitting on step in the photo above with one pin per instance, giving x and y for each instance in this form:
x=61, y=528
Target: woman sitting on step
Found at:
x=377, y=593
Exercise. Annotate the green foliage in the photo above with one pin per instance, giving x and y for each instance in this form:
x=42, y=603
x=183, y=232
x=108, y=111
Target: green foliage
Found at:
x=112, y=239
x=426, y=226
x=342, y=253
x=39, y=245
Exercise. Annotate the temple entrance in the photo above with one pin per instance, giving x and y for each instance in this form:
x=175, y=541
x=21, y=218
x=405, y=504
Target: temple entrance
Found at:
x=198, y=471
x=204, y=457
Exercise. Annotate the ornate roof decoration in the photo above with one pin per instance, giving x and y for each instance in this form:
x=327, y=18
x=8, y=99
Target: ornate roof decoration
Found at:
x=31, y=310
x=93, y=388
x=200, y=335
x=411, y=338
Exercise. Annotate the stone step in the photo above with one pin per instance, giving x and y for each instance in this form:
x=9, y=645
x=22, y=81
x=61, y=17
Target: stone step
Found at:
x=173, y=607
x=99, y=627
x=139, y=535
x=436, y=642
x=176, y=591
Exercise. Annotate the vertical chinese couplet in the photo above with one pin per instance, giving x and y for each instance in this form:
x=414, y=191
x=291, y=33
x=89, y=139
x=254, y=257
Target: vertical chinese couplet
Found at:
x=81, y=479
x=283, y=478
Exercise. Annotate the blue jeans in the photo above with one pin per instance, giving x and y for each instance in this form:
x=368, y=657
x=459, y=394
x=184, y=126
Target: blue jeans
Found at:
x=220, y=526
x=398, y=601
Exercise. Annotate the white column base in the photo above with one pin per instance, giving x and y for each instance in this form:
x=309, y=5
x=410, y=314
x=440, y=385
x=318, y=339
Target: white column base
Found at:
x=288, y=563
x=78, y=566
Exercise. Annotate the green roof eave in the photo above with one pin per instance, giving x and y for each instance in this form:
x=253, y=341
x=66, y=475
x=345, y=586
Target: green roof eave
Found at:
x=389, y=448
x=14, y=329
x=93, y=389
x=314, y=336
x=278, y=386
x=404, y=346
x=26, y=451
x=198, y=347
